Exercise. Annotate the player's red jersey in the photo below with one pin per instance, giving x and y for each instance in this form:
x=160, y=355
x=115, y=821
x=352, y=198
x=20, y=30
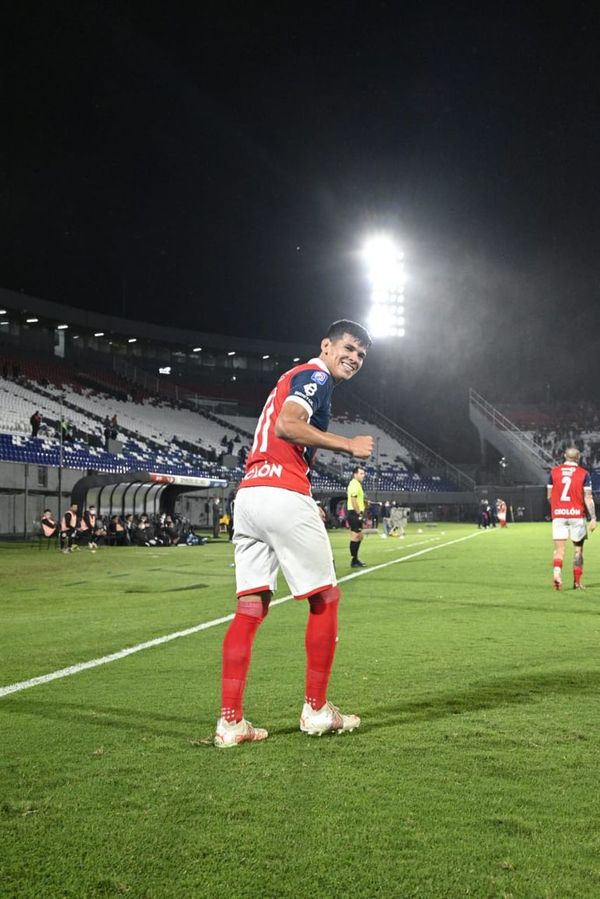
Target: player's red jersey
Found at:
x=568, y=482
x=274, y=462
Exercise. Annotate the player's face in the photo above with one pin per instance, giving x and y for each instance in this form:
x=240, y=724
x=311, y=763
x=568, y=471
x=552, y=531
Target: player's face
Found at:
x=343, y=357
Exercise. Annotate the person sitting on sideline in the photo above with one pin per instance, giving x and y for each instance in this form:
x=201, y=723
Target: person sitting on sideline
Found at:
x=68, y=529
x=48, y=524
x=87, y=529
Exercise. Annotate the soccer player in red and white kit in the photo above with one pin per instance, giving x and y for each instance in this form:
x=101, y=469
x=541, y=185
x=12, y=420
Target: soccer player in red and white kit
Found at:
x=570, y=495
x=277, y=525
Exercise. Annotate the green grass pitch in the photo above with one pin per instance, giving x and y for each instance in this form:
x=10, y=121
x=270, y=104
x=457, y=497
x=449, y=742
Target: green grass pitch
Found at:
x=474, y=773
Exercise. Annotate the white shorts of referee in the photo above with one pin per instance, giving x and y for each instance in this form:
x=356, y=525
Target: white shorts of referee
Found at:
x=276, y=528
x=569, y=529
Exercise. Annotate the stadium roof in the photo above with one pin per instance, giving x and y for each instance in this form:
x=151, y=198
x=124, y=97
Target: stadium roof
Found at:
x=51, y=314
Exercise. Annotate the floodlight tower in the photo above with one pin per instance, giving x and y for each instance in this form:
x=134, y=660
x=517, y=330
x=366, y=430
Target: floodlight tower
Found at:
x=385, y=266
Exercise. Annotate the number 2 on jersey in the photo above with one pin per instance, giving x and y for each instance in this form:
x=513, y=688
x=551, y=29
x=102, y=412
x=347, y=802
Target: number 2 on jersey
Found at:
x=565, y=496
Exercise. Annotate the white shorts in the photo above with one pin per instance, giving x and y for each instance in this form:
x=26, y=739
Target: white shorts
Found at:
x=569, y=529
x=276, y=528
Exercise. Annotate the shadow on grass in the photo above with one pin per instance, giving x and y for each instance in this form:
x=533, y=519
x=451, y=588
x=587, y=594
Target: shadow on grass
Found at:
x=518, y=690
x=509, y=691
x=450, y=603
x=104, y=716
x=161, y=590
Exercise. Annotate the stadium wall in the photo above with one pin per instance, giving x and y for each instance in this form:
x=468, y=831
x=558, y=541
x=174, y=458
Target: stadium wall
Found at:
x=26, y=490
x=531, y=499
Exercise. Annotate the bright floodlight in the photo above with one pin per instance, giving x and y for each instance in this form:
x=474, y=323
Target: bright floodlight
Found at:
x=385, y=265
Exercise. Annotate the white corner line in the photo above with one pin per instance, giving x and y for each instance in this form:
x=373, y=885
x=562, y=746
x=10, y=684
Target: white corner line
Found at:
x=167, y=638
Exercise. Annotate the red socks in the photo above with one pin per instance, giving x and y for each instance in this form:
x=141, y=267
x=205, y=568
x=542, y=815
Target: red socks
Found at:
x=577, y=572
x=320, y=641
x=237, y=652
x=321, y=638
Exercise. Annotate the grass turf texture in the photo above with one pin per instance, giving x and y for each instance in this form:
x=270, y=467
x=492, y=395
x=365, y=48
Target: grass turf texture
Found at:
x=474, y=772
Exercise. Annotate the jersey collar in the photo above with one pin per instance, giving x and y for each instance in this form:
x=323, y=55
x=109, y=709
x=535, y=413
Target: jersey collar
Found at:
x=320, y=363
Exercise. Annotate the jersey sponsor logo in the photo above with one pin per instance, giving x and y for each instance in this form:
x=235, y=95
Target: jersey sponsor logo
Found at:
x=266, y=470
x=310, y=389
x=319, y=376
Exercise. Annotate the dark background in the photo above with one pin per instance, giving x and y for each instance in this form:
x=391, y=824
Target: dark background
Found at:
x=220, y=168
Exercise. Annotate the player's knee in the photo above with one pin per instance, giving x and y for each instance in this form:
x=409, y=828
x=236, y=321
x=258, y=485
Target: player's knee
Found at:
x=256, y=606
x=319, y=601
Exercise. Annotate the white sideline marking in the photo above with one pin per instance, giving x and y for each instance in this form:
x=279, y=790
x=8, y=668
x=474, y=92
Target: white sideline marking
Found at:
x=158, y=641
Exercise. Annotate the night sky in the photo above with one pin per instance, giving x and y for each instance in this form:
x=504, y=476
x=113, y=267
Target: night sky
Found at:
x=219, y=169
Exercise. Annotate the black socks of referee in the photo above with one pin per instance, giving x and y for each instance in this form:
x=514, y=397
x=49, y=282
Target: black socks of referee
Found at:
x=354, y=544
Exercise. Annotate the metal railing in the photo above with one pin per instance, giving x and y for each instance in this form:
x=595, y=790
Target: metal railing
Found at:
x=519, y=438
x=415, y=447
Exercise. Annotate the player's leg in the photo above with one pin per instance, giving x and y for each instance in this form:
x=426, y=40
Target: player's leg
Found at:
x=256, y=577
x=320, y=642
x=577, y=565
x=578, y=534
x=304, y=553
x=557, y=563
x=232, y=728
x=560, y=535
x=318, y=715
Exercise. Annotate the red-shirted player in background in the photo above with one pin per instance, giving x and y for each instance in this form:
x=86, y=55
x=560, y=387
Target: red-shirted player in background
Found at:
x=277, y=525
x=570, y=495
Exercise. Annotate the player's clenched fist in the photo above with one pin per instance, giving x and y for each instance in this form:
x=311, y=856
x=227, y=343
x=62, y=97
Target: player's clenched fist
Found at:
x=360, y=447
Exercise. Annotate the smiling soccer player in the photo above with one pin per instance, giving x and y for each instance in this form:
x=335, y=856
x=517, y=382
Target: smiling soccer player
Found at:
x=277, y=525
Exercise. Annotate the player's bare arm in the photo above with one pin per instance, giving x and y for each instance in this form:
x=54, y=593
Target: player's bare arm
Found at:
x=591, y=507
x=292, y=425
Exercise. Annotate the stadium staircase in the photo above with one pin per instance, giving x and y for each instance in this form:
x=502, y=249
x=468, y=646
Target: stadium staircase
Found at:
x=529, y=463
x=432, y=465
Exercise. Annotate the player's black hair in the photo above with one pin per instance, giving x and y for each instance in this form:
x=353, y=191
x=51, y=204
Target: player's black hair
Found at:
x=358, y=468
x=346, y=326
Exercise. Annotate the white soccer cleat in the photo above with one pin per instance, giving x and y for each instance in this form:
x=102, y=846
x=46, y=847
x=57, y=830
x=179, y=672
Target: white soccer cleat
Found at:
x=327, y=719
x=233, y=733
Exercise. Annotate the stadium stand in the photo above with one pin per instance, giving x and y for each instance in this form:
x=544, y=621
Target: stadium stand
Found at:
x=146, y=447
x=534, y=438
x=158, y=435
x=175, y=424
